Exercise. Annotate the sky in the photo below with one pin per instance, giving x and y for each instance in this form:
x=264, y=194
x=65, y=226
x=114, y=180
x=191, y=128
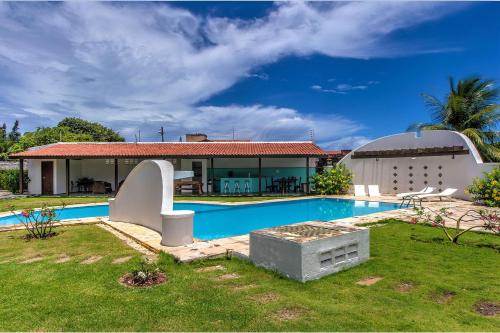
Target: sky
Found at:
x=340, y=73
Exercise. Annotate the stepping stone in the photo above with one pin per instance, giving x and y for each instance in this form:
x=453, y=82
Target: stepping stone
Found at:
x=405, y=287
x=210, y=269
x=62, y=259
x=121, y=260
x=288, y=314
x=7, y=260
x=369, y=280
x=91, y=260
x=244, y=287
x=266, y=297
x=33, y=259
x=229, y=276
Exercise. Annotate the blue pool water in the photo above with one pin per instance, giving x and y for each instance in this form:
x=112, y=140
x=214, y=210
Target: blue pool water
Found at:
x=213, y=221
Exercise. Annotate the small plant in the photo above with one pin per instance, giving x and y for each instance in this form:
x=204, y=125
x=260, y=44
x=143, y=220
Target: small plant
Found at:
x=337, y=180
x=145, y=274
x=489, y=220
x=38, y=223
x=486, y=190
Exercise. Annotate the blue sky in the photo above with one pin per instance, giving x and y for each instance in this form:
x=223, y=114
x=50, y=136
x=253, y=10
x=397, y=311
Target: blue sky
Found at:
x=350, y=72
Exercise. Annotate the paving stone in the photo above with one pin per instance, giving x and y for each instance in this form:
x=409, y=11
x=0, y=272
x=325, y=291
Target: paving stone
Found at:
x=91, y=260
x=371, y=280
x=33, y=259
x=121, y=260
x=228, y=276
x=210, y=269
x=62, y=259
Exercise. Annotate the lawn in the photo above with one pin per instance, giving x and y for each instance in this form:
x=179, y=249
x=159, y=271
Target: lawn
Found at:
x=35, y=202
x=427, y=285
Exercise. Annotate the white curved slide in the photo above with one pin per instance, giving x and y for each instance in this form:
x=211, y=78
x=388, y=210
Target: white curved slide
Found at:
x=147, y=198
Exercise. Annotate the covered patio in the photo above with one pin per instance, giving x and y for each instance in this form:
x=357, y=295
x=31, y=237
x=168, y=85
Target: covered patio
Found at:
x=228, y=168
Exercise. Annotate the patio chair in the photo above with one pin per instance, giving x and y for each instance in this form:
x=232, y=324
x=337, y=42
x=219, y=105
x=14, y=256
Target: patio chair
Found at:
x=407, y=195
x=270, y=188
x=374, y=191
x=359, y=191
x=447, y=193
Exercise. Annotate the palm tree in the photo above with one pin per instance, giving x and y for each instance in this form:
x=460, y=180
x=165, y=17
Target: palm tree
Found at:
x=470, y=109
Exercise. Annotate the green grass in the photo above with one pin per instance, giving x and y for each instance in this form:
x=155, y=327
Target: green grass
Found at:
x=73, y=297
x=35, y=202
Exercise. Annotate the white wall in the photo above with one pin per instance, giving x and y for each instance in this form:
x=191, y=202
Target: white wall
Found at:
x=145, y=195
x=34, y=168
x=404, y=174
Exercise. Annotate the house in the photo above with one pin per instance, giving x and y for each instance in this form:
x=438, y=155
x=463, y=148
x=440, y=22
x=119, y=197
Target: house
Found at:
x=410, y=161
x=219, y=166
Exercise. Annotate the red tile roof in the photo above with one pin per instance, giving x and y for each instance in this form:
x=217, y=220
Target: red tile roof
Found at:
x=172, y=149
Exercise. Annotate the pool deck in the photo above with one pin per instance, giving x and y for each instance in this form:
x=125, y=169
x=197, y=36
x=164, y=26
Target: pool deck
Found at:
x=239, y=245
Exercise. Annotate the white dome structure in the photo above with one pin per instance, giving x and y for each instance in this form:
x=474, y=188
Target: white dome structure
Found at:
x=410, y=161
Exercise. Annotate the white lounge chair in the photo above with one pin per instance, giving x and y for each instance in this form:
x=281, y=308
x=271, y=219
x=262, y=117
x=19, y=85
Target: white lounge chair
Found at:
x=359, y=191
x=407, y=195
x=425, y=190
x=447, y=193
x=373, y=191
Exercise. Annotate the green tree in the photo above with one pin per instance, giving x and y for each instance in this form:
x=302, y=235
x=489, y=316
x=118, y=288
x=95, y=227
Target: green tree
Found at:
x=3, y=132
x=47, y=135
x=14, y=134
x=97, y=131
x=471, y=109
x=336, y=180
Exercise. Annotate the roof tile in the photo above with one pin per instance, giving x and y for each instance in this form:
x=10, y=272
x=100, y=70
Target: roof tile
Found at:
x=177, y=149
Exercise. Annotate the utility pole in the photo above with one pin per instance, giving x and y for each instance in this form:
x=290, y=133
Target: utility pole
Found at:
x=162, y=132
x=139, y=135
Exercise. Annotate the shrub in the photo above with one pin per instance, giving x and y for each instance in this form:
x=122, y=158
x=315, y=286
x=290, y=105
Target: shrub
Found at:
x=337, y=180
x=145, y=274
x=38, y=223
x=9, y=180
x=486, y=190
x=437, y=218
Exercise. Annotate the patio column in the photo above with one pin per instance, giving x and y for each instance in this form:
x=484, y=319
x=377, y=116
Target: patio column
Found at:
x=307, y=175
x=212, y=190
x=21, y=176
x=116, y=176
x=260, y=176
x=67, y=177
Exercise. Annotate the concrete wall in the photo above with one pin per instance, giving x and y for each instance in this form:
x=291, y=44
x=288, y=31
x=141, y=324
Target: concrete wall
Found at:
x=405, y=174
x=145, y=195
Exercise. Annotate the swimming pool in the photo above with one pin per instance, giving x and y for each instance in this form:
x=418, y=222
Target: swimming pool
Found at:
x=213, y=221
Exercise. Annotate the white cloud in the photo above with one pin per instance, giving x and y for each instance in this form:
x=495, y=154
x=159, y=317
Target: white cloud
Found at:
x=343, y=88
x=132, y=65
x=346, y=142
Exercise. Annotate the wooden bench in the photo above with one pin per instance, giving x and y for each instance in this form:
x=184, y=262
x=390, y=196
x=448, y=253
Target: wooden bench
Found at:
x=192, y=185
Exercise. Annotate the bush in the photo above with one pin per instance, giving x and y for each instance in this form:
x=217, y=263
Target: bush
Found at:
x=334, y=181
x=38, y=223
x=486, y=190
x=9, y=180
